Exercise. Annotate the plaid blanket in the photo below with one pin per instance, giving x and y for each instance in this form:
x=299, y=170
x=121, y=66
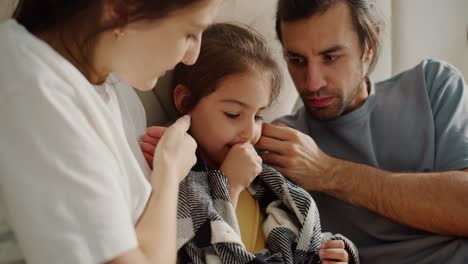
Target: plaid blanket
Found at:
x=208, y=231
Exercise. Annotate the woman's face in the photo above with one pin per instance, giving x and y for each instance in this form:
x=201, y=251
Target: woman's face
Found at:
x=141, y=52
x=232, y=114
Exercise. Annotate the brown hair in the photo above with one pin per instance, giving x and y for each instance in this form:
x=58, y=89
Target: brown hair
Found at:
x=81, y=19
x=227, y=49
x=38, y=16
x=363, y=13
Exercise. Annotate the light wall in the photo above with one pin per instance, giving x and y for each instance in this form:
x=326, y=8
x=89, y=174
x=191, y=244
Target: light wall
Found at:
x=414, y=30
x=260, y=14
x=429, y=28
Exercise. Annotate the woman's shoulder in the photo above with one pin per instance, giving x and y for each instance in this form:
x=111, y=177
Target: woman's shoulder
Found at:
x=26, y=62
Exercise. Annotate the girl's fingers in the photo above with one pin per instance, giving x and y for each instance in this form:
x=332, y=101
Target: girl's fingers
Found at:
x=333, y=244
x=149, y=139
x=147, y=148
x=334, y=254
x=149, y=159
x=155, y=131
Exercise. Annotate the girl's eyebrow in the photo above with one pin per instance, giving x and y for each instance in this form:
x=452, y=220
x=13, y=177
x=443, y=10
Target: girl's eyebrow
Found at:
x=233, y=101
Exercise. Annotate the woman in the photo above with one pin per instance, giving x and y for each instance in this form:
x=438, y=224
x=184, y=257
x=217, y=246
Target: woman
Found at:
x=74, y=184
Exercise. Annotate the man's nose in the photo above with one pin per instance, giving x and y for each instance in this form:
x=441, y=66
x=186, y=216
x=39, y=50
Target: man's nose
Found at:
x=315, y=79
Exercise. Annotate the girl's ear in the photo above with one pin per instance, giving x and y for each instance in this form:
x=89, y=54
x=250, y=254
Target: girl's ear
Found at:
x=182, y=96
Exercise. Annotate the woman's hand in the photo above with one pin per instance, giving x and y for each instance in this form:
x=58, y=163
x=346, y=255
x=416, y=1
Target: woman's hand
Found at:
x=175, y=151
x=333, y=251
x=241, y=165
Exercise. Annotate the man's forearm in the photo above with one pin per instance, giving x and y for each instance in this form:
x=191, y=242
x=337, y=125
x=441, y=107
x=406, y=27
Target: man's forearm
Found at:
x=435, y=202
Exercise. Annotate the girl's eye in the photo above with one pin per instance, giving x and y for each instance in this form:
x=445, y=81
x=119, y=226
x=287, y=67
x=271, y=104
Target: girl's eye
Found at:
x=231, y=116
x=258, y=118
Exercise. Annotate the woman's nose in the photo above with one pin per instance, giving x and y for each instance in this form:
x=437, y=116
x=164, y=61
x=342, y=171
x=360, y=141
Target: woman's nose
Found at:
x=192, y=53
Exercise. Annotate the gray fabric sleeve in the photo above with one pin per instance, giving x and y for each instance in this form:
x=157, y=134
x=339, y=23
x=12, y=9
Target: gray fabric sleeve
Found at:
x=448, y=95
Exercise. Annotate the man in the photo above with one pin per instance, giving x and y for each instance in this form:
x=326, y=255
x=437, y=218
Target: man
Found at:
x=386, y=162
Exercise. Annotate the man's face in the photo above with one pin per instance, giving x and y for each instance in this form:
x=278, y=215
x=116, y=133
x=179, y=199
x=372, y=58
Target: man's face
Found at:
x=326, y=62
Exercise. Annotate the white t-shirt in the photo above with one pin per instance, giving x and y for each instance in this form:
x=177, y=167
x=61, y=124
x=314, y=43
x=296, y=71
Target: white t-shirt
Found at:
x=72, y=177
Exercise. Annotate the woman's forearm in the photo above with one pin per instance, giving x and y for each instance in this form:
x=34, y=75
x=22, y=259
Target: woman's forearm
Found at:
x=157, y=229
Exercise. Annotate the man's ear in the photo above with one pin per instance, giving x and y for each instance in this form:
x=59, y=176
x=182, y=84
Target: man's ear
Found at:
x=182, y=96
x=369, y=51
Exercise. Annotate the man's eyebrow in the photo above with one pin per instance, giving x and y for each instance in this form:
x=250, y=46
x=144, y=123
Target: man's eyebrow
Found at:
x=332, y=49
x=292, y=53
x=323, y=52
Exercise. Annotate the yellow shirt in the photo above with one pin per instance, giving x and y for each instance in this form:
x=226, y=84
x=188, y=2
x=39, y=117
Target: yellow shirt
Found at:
x=250, y=222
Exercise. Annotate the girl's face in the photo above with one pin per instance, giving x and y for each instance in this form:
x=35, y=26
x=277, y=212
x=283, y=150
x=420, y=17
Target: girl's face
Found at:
x=230, y=115
x=143, y=51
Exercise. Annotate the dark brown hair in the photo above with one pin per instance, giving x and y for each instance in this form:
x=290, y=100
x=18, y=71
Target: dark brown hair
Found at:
x=81, y=19
x=363, y=13
x=227, y=49
x=38, y=16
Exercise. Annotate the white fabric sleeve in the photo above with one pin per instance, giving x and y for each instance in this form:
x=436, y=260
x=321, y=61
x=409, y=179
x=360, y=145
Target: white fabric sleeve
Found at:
x=64, y=192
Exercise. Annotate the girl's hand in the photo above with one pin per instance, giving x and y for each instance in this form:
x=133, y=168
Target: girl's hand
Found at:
x=241, y=165
x=149, y=141
x=333, y=251
x=175, y=151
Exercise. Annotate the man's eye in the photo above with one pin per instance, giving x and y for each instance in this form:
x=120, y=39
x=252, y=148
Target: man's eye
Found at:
x=231, y=116
x=295, y=60
x=258, y=118
x=330, y=58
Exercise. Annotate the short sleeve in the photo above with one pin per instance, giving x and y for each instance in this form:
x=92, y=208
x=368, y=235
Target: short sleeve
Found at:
x=449, y=101
x=63, y=193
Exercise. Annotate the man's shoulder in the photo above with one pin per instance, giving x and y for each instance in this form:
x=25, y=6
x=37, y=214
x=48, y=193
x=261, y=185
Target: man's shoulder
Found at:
x=439, y=74
x=428, y=71
x=437, y=67
x=429, y=75
x=296, y=120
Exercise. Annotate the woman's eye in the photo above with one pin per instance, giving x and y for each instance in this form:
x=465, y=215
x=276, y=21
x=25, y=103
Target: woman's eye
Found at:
x=231, y=116
x=192, y=37
x=258, y=118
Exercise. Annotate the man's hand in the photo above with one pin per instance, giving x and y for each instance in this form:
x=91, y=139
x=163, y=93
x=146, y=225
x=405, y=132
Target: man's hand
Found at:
x=149, y=141
x=333, y=251
x=241, y=165
x=295, y=155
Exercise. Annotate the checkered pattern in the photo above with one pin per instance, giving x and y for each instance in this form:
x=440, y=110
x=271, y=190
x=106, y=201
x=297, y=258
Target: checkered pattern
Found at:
x=208, y=231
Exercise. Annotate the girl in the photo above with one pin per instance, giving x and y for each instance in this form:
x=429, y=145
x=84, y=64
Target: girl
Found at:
x=74, y=185
x=224, y=214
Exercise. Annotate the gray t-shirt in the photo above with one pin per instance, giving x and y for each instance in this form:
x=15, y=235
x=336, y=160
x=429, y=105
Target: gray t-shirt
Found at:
x=416, y=121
